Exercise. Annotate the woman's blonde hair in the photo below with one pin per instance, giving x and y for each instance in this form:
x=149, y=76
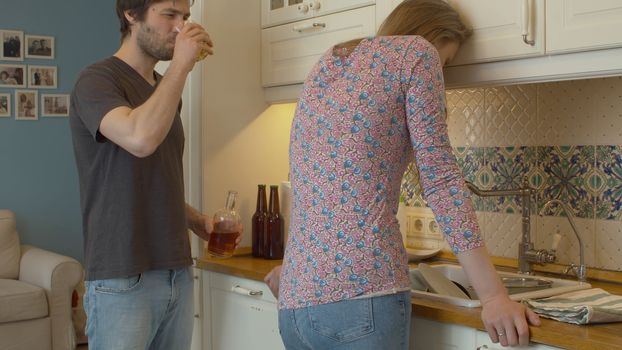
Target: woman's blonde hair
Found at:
x=434, y=20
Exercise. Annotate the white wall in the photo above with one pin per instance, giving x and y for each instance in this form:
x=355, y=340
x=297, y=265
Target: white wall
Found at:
x=244, y=144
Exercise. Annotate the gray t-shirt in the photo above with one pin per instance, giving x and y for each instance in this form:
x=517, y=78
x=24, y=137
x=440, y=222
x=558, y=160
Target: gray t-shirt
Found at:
x=133, y=209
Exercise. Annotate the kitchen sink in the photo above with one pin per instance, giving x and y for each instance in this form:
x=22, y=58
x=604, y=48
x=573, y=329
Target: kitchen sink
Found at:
x=519, y=286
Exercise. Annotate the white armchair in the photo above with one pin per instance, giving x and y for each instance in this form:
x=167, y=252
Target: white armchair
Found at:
x=35, y=293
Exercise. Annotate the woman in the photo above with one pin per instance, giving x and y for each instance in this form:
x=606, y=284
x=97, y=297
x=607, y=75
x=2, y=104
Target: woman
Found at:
x=367, y=106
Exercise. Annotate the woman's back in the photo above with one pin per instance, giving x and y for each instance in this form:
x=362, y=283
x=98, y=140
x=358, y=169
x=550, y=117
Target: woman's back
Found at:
x=351, y=140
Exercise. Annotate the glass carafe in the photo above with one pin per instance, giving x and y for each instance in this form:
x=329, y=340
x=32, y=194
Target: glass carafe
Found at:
x=226, y=229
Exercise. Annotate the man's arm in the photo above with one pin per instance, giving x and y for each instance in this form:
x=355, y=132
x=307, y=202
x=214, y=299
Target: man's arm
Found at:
x=142, y=129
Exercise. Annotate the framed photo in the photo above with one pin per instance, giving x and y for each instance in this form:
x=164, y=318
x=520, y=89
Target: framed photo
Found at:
x=12, y=45
x=12, y=75
x=39, y=46
x=42, y=77
x=26, y=105
x=5, y=105
x=55, y=105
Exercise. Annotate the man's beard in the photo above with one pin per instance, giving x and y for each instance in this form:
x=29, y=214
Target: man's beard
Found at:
x=151, y=44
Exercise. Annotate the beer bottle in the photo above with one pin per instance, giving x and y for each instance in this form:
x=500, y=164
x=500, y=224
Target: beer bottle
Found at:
x=273, y=247
x=260, y=218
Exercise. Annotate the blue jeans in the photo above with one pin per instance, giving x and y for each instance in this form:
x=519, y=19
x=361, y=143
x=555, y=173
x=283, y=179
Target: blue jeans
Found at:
x=151, y=310
x=381, y=322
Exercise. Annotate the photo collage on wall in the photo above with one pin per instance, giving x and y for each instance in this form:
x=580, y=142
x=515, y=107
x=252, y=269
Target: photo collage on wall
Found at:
x=25, y=81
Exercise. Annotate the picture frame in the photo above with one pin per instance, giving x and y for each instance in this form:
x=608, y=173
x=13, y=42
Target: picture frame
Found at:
x=26, y=105
x=13, y=75
x=39, y=46
x=42, y=77
x=54, y=105
x=5, y=105
x=12, y=45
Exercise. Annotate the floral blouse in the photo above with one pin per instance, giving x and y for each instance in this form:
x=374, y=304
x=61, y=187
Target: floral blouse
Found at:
x=360, y=121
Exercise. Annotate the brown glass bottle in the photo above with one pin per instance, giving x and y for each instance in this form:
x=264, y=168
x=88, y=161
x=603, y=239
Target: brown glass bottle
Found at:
x=260, y=220
x=273, y=247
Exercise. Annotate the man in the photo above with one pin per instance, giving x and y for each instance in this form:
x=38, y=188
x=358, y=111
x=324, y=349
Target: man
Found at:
x=128, y=143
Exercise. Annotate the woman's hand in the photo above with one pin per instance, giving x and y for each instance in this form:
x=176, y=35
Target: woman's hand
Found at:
x=272, y=279
x=506, y=321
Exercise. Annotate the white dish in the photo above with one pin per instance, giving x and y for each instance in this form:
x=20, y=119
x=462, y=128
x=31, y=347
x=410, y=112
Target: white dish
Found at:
x=420, y=254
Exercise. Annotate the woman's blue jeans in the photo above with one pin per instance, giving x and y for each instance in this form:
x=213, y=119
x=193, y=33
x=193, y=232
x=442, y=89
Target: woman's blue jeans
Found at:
x=377, y=323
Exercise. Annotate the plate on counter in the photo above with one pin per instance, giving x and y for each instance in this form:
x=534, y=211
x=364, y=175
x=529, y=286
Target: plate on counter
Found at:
x=415, y=254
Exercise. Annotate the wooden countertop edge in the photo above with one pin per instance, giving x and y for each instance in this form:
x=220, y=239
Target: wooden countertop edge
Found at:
x=559, y=334
x=550, y=332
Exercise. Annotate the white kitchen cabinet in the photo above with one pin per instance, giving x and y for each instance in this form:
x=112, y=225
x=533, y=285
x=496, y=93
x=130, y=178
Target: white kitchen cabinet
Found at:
x=574, y=25
x=432, y=335
x=498, y=28
x=289, y=51
x=275, y=12
x=240, y=314
x=483, y=342
x=383, y=8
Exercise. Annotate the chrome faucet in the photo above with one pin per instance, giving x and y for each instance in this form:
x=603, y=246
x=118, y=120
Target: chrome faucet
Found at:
x=527, y=255
x=579, y=271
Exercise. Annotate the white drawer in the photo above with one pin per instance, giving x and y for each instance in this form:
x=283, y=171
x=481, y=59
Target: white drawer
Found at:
x=289, y=51
x=242, y=286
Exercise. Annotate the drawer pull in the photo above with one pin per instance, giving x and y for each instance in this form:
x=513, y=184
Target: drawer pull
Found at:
x=246, y=291
x=315, y=25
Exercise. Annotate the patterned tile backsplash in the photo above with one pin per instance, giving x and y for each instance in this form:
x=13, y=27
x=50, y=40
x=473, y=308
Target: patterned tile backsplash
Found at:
x=565, y=139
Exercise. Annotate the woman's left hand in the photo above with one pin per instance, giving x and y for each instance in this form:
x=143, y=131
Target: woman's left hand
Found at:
x=272, y=279
x=506, y=321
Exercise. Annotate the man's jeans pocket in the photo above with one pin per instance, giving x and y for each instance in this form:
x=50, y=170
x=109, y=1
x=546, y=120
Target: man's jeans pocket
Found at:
x=118, y=285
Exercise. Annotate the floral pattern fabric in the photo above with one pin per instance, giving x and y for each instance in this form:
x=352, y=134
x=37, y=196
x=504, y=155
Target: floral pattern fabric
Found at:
x=360, y=121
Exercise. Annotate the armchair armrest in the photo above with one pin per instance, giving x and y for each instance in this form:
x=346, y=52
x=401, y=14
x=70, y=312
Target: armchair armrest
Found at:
x=58, y=275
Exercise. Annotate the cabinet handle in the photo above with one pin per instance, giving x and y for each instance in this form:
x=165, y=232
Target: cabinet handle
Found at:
x=527, y=22
x=483, y=347
x=303, y=8
x=315, y=5
x=246, y=291
x=305, y=28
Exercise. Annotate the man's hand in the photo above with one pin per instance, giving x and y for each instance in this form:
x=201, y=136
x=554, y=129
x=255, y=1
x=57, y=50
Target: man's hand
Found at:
x=272, y=280
x=204, y=229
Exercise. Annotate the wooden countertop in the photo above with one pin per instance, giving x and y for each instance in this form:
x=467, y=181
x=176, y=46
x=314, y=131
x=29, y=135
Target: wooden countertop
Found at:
x=559, y=334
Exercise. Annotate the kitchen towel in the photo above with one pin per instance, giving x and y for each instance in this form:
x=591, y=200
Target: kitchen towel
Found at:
x=581, y=307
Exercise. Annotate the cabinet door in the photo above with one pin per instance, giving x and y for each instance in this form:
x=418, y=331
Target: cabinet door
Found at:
x=576, y=25
x=289, y=51
x=483, y=342
x=240, y=320
x=427, y=334
x=383, y=9
x=274, y=12
x=324, y=7
x=498, y=26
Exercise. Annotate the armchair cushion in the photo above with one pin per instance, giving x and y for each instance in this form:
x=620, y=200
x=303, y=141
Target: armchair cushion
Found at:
x=9, y=246
x=20, y=301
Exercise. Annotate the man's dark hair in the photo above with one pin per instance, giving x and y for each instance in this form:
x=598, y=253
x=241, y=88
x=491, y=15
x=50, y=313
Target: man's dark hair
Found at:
x=137, y=9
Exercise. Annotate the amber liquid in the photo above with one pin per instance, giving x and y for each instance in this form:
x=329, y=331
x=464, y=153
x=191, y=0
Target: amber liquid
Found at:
x=222, y=244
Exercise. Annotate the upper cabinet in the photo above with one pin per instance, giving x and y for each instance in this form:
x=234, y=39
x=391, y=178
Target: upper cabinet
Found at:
x=514, y=41
x=275, y=12
x=289, y=51
x=574, y=25
x=511, y=29
x=502, y=29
